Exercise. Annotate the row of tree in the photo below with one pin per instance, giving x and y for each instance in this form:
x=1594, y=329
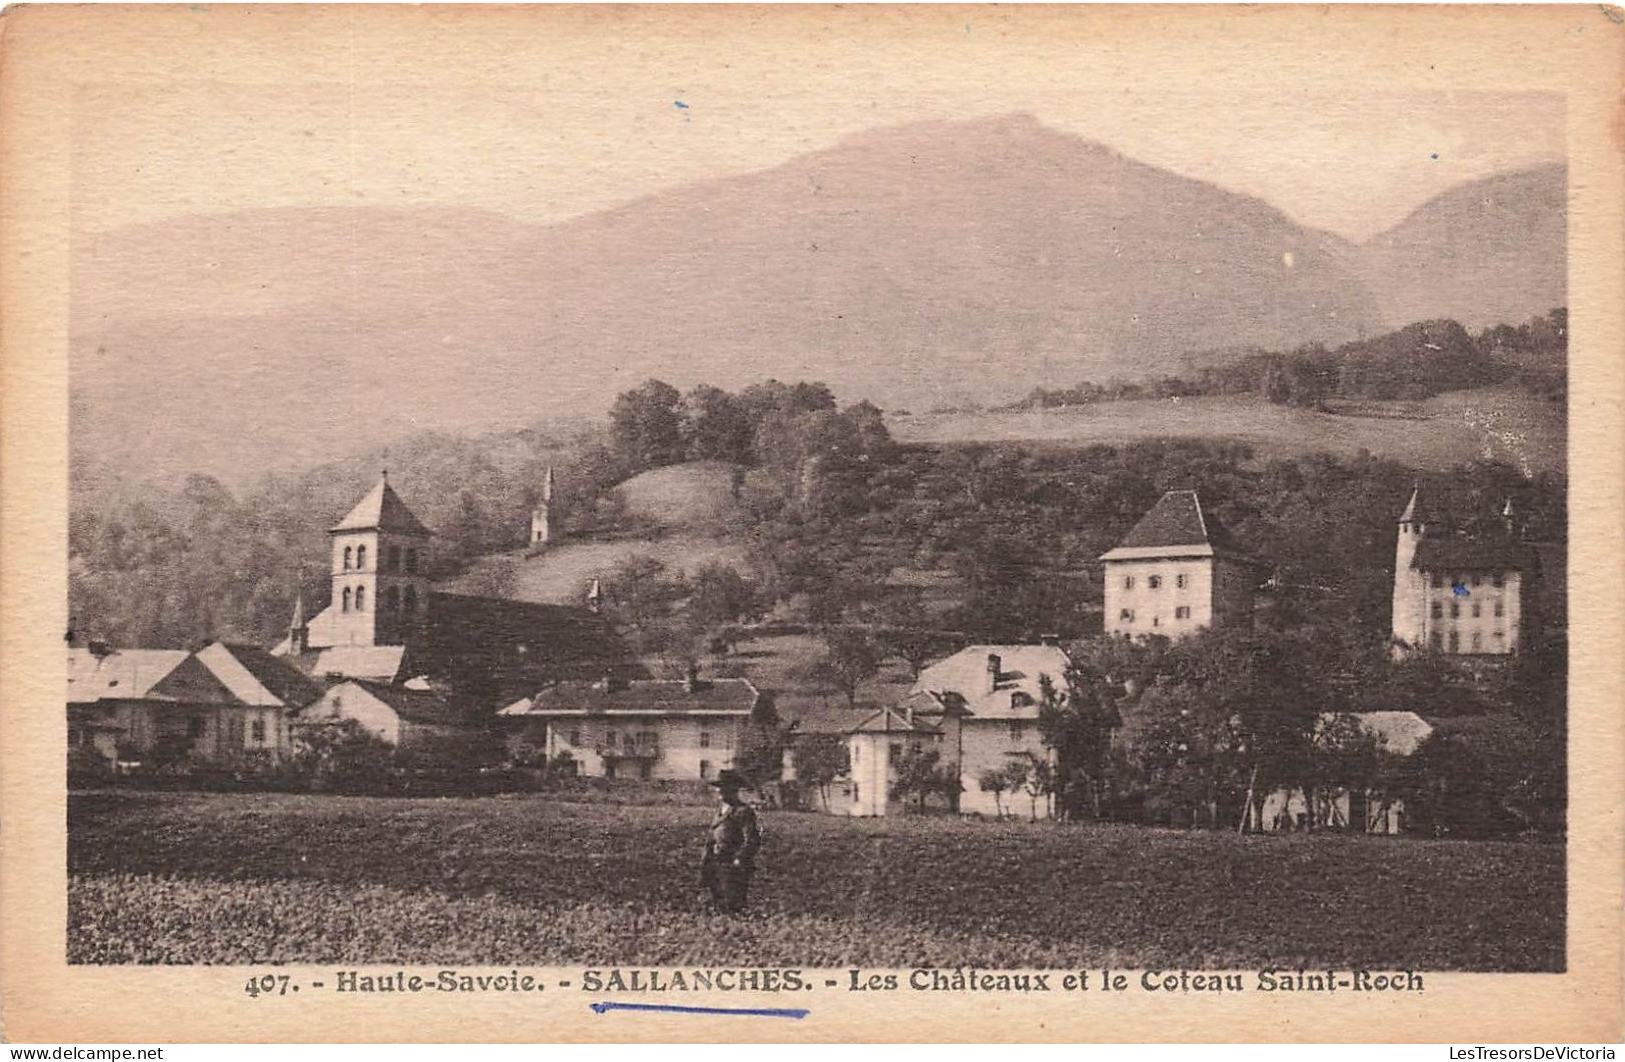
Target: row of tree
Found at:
x=1415, y=362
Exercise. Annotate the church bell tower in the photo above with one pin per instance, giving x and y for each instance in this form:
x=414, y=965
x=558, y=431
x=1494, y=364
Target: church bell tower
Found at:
x=380, y=571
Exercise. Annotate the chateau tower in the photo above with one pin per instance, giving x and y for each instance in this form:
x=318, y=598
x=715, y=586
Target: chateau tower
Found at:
x=1410, y=585
x=541, y=530
x=380, y=571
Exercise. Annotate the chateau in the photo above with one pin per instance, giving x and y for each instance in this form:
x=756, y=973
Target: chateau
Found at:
x=1176, y=572
x=1459, y=593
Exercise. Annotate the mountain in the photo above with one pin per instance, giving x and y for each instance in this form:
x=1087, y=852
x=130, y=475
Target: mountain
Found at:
x=919, y=265
x=1487, y=252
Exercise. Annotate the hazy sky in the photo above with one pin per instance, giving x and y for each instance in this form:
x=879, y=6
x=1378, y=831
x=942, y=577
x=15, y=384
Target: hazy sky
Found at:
x=549, y=128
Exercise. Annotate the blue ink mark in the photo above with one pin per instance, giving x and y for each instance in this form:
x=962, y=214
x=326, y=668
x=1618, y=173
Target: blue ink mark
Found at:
x=1460, y=590
x=680, y=105
x=751, y=1012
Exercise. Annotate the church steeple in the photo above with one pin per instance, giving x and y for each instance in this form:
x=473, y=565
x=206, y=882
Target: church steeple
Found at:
x=380, y=570
x=298, y=627
x=541, y=517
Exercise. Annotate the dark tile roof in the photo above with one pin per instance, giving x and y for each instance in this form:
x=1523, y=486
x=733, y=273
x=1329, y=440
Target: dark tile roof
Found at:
x=1178, y=519
x=382, y=509
x=431, y=707
x=1485, y=553
x=889, y=721
x=286, y=682
x=517, y=645
x=648, y=695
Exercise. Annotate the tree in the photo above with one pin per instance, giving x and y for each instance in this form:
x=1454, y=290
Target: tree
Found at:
x=819, y=759
x=647, y=424
x=851, y=658
x=995, y=781
x=719, y=595
x=1078, y=725
x=921, y=775
x=717, y=426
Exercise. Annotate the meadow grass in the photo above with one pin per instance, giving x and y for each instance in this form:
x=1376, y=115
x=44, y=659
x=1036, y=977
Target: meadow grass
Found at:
x=278, y=878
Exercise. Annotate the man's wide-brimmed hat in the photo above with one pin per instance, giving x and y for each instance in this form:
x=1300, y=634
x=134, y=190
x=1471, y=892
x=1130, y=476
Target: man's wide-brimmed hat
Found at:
x=728, y=778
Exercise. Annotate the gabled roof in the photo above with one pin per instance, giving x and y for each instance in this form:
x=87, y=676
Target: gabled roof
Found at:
x=1176, y=526
x=640, y=696
x=382, y=510
x=124, y=674
x=430, y=707
x=256, y=677
x=380, y=663
x=963, y=678
x=890, y=721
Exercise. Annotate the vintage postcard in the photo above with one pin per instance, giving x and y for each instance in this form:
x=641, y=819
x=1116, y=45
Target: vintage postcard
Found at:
x=811, y=523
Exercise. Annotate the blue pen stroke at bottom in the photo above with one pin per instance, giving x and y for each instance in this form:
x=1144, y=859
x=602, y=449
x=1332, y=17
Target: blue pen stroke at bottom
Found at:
x=750, y=1012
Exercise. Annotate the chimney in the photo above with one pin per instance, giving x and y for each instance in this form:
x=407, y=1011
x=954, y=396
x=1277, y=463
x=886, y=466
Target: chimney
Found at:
x=993, y=672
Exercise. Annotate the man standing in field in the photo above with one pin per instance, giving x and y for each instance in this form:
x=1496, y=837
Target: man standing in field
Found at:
x=730, y=847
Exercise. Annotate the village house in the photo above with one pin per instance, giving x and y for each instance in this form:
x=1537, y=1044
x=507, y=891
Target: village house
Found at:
x=983, y=704
x=875, y=748
x=1459, y=592
x=687, y=728
x=424, y=726
x=1368, y=810
x=1175, y=572
x=222, y=705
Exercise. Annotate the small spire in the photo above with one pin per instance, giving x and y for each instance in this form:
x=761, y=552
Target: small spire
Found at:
x=383, y=477
x=298, y=621
x=547, y=485
x=1507, y=511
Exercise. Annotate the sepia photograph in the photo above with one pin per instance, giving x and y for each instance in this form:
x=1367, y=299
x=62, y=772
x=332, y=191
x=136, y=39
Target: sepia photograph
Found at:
x=814, y=501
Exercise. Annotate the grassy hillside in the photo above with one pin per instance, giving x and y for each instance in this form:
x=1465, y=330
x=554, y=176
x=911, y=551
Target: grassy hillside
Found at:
x=1490, y=423
x=689, y=509
x=267, y=878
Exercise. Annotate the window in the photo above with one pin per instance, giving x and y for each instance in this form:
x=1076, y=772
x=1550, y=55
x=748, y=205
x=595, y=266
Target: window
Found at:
x=1476, y=609
x=361, y=558
x=1438, y=610
x=412, y=561
x=256, y=731
x=705, y=768
x=1478, y=642
x=361, y=599
x=1182, y=612
x=1500, y=609
x=1128, y=582
x=1435, y=642
x=1180, y=581
x=1154, y=582
x=392, y=598
x=1478, y=580
x=1021, y=699
x=1498, y=580
x=1499, y=638
x=195, y=726
x=1455, y=642
x=349, y=558
x=346, y=606
x=1018, y=730
x=705, y=739
x=894, y=752
x=1455, y=609
x=1438, y=581
x=648, y=738
x=394, y=558
x=411, y=599
x=610, y=739
x=575, y=737
x=1126, y=616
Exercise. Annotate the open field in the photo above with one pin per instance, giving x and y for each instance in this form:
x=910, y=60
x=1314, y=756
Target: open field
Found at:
x=1501, y=423
x=185, y=878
